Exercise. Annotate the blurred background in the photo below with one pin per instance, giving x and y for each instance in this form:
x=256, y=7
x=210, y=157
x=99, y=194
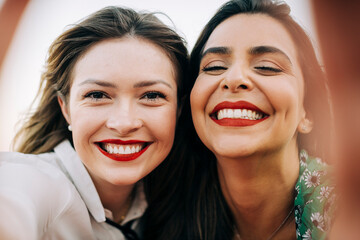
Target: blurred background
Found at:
x=28, y=27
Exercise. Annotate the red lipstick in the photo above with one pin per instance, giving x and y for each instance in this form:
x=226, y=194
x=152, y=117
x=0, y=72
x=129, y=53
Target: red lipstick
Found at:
x=237, y=122
x=123, y=157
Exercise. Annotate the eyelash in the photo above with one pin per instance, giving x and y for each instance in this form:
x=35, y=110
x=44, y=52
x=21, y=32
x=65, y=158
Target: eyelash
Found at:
x=154, y=96
x=213, y=68
x=93, y=94
x=264, y=68
x=149, y=96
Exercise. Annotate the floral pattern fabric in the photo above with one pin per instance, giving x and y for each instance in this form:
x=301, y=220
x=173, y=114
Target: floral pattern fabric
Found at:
x=314, y=199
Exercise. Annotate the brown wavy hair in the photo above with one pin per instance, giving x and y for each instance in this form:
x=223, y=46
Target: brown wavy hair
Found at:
x=46, y=127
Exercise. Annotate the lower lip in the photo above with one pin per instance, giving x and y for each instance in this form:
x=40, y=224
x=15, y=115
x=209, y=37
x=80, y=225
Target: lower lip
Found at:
x=237, y=122
x=123, y=157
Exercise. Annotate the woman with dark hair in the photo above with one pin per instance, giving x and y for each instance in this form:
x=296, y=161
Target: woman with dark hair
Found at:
x=260, y=104
x=108, y=107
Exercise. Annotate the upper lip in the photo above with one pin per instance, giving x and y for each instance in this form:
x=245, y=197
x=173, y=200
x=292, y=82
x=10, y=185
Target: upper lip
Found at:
x=236, y=105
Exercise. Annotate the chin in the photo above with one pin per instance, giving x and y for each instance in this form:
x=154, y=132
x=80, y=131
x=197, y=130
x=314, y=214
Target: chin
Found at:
x=125, y=179
x=124, y=182
x=233, y=152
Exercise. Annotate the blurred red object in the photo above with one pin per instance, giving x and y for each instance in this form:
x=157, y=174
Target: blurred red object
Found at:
x=338, y=28
x=10, y=14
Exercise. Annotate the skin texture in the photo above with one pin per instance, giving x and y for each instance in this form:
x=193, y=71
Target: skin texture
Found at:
x=258, y=162
x=122, y=89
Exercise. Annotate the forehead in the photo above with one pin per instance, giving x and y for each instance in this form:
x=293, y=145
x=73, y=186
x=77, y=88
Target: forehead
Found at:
x=127, y=57
x=122, y=50
x=243, y=31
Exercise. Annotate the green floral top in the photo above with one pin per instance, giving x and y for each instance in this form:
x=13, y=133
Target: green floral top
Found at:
x=314, y=200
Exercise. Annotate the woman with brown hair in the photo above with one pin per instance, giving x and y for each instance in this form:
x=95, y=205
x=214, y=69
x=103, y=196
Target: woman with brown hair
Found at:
x=109, y=101
x=260, y=107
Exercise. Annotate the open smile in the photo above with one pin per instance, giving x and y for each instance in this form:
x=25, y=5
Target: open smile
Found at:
x=119, y=150
x=239, y=114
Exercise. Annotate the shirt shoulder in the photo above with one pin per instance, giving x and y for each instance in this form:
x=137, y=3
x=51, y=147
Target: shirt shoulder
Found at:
x=36, y=191
x=39, y=160
x=34, y=175
x=315, y=197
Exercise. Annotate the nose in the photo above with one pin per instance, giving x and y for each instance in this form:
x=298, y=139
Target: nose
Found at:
x=236, y=79
x=124, y=121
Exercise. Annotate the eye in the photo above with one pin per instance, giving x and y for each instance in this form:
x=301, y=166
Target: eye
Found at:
x=96, y=95
x=214, y=68
x=153, y=96
x=268, y=69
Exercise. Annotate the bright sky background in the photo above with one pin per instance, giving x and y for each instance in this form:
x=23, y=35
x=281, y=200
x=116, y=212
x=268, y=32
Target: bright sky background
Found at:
x=44, y=20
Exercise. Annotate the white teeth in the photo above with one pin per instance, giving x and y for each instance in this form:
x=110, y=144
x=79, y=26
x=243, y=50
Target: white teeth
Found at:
x=122, y=149
x=249, y=113
x=115, y=150
x=220, y=115
x=239, y=113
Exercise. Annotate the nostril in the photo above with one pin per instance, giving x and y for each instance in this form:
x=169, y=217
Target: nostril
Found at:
x=243, y=86
x=226, y=87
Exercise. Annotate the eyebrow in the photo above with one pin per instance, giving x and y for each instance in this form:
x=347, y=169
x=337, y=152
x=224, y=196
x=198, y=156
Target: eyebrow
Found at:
x=259, y=50
x=136, y=85
x=148, y=83
x=98, y=82
x=216, y=50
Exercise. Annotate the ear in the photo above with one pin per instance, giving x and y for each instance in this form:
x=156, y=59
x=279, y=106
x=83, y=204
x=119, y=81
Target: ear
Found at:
x=64, y=109
x=305, y=126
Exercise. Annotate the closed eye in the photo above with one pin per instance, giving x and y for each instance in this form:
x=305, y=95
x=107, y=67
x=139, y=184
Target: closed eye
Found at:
x=214, y=68
x=270, y=69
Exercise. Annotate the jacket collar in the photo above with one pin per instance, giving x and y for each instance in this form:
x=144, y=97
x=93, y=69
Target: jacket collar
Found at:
x=76, y=171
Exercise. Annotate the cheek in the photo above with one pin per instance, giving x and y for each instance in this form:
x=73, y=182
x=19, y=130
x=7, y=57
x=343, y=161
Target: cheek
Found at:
x=201, y=94
x=195, y=96
x=86, y=122
x=83, y=125
x=283, y=95
x=198, y=100
x=162, y=122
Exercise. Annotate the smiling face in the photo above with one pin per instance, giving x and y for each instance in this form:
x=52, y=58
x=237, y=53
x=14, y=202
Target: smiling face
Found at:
x=122, y=109
x=248, y=97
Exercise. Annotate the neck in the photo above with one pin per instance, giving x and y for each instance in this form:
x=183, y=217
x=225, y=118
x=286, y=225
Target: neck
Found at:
x=115, y=198
x=260, y=191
